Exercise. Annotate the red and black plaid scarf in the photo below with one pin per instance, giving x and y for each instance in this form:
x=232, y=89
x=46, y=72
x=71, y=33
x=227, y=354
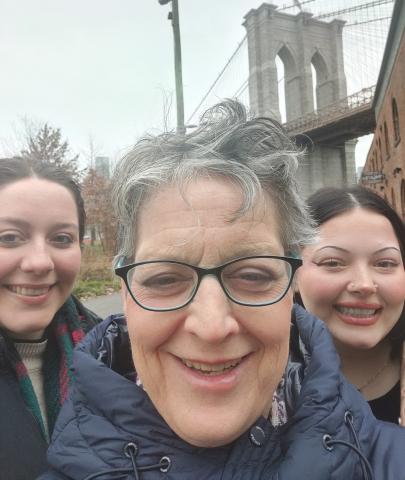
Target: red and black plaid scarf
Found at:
x=68, y=327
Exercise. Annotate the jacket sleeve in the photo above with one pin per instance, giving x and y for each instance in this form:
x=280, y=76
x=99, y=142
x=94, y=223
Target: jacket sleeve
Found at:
x=387, y=452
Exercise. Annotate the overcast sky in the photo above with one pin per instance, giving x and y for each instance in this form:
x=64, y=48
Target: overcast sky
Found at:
x=102, y=68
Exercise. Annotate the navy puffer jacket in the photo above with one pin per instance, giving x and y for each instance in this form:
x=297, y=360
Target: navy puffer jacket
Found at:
x=109, y=429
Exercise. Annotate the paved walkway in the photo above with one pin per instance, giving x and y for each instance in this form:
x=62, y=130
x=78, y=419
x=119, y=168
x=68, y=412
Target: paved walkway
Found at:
x=105, y=305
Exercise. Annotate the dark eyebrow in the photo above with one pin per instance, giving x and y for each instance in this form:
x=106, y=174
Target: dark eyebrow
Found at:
x=388, y=248
x=334, y=247
x=347, y=251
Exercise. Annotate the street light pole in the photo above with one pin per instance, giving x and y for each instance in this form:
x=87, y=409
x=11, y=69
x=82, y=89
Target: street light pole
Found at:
x=174, y=17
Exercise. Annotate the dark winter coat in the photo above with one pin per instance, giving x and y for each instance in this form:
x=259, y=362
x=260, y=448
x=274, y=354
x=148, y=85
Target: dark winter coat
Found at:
x=22, y=445
x=109, y=424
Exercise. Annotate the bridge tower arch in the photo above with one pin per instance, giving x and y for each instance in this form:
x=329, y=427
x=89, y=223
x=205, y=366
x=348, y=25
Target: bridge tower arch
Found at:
x=324, y=91
x=286, y=55
x=301, y=42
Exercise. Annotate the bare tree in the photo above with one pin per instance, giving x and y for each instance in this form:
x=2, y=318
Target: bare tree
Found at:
x=93, y=150
x=96, y=191
x=46, y=145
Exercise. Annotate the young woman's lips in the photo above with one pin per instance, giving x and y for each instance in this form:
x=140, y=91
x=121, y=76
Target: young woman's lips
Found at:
x=362, y=315
x=219, y=376
x=31, y=294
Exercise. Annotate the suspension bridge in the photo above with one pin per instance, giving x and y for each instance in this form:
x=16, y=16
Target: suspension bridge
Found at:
x=345, y=113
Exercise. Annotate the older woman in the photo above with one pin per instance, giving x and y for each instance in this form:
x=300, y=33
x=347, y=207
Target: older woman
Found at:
x=211, y=374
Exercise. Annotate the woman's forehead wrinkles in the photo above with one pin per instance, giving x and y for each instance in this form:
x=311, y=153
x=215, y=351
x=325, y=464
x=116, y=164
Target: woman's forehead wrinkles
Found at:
x=224, y=253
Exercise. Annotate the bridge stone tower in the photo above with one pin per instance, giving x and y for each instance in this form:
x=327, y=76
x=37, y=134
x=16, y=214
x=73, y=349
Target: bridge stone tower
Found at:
x=300, y=41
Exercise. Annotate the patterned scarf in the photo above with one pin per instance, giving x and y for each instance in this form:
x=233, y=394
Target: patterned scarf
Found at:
x=71, y=322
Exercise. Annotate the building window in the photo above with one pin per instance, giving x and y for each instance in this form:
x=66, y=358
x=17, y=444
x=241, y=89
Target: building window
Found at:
x=393, y=200
x=395, y=119
x=387, y=141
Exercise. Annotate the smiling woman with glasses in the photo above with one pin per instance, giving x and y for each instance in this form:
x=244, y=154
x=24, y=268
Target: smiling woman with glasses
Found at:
x=212, y=373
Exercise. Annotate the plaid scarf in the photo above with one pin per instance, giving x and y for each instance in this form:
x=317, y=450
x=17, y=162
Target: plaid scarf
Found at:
x=71, y=322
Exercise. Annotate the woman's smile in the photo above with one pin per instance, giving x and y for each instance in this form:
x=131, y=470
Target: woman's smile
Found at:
x=213, y=376
x=30, y=294
x=358, y=314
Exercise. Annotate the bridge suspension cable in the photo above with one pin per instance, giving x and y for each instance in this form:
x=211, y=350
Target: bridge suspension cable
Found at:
x=364, y=37
x=244, y=39
x=355, y=8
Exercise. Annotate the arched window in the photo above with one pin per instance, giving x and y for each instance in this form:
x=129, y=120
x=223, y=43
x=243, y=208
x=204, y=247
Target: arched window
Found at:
x=395, y=119
x=387, y=140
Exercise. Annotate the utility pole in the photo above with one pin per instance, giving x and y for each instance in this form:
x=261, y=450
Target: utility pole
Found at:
x=174, y=17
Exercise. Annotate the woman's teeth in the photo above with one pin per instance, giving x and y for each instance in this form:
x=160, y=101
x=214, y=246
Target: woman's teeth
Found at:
x=211, y=369
x=357, y=312
x=28, y=292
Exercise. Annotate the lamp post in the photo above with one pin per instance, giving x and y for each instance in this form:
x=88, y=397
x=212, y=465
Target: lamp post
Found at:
x=174, y=17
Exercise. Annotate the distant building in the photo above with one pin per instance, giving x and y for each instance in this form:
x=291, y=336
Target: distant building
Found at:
x=102, y=166
x=384, y=170
x=359, y=171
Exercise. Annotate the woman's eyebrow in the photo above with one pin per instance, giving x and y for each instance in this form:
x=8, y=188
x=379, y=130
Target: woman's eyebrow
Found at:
x=335, y=247
x=66, y=225
x=15, y=221
x=344, y=250
x=24, y=224
x=388, y=248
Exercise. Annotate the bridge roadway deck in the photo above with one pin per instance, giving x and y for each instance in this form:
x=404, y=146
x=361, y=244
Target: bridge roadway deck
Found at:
x=337, y=130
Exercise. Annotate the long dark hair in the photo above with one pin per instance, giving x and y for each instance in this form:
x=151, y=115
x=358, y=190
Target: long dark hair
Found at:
x=17, y=168
x=329, y=202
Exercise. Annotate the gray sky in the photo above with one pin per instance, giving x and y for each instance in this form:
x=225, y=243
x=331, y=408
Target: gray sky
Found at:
x=102, y=68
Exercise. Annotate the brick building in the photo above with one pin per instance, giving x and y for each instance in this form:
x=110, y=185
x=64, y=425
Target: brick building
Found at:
x=384, y=170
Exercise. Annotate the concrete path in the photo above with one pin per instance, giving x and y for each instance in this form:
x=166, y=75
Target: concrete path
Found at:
x=105, y=305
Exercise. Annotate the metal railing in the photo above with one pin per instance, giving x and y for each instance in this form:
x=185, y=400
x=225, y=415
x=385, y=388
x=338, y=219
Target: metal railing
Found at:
x=345, y=107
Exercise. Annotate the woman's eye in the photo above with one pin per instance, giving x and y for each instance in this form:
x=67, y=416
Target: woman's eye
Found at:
x=387, y=264
x=255, y=276
x=251, y=276
x=10, y=239
x=62, y=239
x=330, y=263
x=161, y=281
x=165, y=281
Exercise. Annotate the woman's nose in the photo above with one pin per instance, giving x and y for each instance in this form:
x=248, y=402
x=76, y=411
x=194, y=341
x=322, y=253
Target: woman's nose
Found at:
x=362, y=282
x=37, y=260
x=210, y=314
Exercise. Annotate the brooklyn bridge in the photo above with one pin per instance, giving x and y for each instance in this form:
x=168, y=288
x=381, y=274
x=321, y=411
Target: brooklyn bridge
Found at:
x=313, y=65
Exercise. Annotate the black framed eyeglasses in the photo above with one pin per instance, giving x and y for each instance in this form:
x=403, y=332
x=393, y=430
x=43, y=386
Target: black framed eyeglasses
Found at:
x=165, y=285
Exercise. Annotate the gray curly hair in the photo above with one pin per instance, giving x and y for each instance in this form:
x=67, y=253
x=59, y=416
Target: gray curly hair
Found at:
x=254, y=153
